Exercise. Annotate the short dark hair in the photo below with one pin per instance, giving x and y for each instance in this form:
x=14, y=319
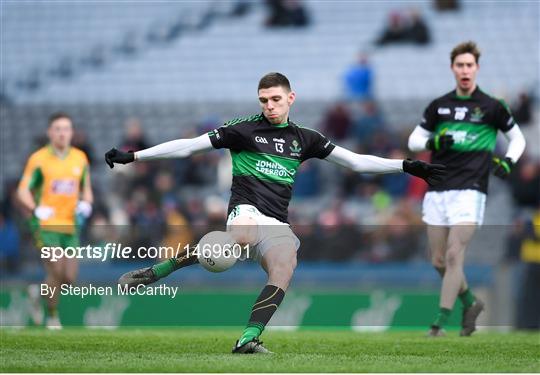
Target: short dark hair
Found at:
x=272, y=80
x=465, y=47
x=58, y=115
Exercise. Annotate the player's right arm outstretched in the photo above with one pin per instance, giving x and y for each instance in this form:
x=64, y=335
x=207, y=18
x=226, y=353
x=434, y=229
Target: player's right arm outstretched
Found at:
x=179, y=148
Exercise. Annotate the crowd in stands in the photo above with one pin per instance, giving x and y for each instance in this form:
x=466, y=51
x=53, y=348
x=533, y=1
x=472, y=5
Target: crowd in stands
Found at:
x=405, y=27
x=286, y=13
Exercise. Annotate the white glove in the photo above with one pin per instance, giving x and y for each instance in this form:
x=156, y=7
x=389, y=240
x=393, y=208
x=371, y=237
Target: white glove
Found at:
x=84, y=209
x=44, y=212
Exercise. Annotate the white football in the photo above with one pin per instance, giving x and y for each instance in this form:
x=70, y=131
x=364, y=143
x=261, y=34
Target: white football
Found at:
x=217, y=251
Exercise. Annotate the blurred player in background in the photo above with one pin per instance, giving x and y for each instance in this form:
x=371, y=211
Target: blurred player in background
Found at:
x=55, y=188
x=460, y=128
x=266, y=151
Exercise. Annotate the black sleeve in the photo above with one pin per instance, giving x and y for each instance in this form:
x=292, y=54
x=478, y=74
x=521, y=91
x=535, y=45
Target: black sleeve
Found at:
x=226, y=136
x=429, y=120
x=317, y=145
x=504, y=121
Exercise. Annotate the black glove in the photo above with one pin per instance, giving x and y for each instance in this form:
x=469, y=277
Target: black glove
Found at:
x=502, y=167
x=433, y=174
x=116, y=156
x=440, y=142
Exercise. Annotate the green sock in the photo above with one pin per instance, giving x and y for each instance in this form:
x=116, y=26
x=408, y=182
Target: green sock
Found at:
x=249, y=334
x=168, y=266
x=442, y=317
x=467, y=298
x=164, y=268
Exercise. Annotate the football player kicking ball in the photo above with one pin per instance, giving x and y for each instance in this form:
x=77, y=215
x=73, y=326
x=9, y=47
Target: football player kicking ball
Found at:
x=460, y=128
x=266, y=151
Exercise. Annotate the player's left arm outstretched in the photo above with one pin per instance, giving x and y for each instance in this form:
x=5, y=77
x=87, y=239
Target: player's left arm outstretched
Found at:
x=431, y=173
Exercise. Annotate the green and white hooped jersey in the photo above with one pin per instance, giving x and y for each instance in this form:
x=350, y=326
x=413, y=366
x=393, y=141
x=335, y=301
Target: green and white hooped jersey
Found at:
x=265, y=159
x=473, y=122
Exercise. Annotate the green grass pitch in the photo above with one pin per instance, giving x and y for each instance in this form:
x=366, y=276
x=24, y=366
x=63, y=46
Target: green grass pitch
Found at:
x=206, y=350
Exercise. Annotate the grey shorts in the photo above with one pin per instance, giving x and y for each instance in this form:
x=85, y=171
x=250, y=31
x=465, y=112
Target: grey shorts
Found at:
x=270, y=232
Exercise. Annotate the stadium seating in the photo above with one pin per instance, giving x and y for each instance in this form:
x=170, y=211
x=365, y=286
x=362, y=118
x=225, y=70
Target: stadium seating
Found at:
x=234, y=52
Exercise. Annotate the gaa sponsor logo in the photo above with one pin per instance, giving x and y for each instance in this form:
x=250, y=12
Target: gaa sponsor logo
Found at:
x=442, y=111
x=261, y=140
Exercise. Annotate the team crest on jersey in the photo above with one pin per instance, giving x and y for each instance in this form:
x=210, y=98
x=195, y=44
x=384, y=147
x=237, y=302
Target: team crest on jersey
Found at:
x=477, y=115
x=295, y=148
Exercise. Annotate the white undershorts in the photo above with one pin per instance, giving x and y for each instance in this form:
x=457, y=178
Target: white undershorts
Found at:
x=452, y=207
x=270, y=231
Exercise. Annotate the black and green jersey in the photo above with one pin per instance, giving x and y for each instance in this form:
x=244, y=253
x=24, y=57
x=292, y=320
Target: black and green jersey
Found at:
x=265, y=159
x=473, y=122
